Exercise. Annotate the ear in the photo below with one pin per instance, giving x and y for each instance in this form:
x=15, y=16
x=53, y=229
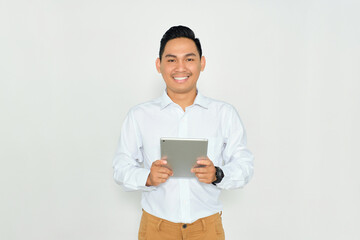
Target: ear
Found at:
x=157, y=63
x=203, y=63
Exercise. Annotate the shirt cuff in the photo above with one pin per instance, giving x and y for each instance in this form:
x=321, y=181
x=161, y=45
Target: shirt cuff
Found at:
x=229, y=181
x=142, y=178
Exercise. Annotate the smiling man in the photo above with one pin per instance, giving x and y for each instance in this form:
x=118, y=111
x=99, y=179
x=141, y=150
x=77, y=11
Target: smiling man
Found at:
x=182, y=208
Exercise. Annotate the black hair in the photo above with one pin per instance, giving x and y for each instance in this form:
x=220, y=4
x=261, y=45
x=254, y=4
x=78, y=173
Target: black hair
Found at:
x=179, y=32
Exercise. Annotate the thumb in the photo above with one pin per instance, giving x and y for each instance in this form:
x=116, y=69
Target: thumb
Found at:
x=160, y=162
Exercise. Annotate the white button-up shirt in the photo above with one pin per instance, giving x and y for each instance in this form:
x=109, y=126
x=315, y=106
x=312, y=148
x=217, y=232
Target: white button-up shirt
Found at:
x=182, y=199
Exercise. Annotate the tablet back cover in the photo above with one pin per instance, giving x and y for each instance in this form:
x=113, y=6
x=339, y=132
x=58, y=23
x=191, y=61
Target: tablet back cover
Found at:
x=182, y=153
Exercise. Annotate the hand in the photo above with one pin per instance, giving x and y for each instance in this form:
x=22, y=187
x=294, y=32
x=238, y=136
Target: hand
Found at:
x=159, y=173
x=206, y=172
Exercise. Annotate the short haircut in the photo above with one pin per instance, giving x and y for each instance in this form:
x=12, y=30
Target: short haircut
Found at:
x=179, y=32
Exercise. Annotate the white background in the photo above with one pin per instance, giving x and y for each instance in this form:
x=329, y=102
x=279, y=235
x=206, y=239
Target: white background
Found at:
x=70, y=70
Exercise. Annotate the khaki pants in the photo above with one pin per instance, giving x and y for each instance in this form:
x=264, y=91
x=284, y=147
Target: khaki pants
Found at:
x=154, y=228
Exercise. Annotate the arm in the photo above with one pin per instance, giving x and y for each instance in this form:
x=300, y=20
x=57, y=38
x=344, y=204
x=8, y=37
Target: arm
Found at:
x=128, y=158
x=238, y=160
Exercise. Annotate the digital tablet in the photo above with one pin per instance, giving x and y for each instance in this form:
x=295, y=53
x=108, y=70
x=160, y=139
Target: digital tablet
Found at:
x=182, y=153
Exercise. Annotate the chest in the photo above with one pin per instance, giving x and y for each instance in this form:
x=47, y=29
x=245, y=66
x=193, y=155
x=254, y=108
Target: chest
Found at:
x=177, y=123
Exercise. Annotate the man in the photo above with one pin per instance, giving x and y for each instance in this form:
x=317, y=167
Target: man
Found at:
x=185, y=208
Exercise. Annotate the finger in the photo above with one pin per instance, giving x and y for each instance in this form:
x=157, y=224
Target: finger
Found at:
x=160, y=162
x=199, y=175
x=167, y=174
x=163, y=176
x=204, y=180
x=203, y=175
x=164, y=169
x=206, y=162
x=160, y=180
x=199, y=170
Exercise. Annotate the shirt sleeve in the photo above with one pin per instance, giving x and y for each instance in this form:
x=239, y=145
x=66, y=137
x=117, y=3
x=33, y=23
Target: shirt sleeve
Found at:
x=127, y=163
x=238, y=165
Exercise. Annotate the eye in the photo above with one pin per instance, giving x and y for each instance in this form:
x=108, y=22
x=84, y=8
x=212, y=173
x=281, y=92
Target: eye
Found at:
x=171, y=60
x=190, y=59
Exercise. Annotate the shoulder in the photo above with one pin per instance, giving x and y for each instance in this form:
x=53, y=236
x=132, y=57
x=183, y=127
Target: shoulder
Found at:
x=145, y=107
x=220, y=106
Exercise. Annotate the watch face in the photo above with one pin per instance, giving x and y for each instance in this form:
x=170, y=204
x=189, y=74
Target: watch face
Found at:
x=218, y=172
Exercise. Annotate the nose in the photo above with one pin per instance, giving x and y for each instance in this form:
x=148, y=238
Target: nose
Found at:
x=180, y=66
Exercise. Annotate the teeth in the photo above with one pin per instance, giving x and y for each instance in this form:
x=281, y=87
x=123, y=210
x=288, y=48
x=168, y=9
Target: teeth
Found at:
x=180, y=78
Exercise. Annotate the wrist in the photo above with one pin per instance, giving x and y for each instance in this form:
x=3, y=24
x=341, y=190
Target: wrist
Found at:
x=219, y=175
x=148, y=182
x=214, y=178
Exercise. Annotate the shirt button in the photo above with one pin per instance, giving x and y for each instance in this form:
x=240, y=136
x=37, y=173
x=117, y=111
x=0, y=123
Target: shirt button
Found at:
x=184, y=226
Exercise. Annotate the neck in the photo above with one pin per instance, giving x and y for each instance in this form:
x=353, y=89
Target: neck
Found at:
x=182, y=99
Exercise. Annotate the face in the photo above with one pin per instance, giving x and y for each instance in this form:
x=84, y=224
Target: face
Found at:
x=180, y=66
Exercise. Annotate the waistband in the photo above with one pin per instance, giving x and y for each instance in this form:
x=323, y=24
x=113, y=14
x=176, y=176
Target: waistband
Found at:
x=201, y=222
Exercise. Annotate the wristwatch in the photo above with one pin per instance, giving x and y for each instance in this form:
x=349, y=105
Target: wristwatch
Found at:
x=219, y=174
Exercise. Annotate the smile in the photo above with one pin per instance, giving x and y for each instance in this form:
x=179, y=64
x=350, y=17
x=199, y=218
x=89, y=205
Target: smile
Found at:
x=181, y=79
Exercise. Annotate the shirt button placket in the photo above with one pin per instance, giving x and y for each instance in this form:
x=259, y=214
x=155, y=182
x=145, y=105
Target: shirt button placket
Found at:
x=183, y=125
x=184, y=186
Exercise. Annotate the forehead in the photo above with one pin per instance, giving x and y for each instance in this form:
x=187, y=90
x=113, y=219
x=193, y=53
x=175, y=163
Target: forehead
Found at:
x=180, y=46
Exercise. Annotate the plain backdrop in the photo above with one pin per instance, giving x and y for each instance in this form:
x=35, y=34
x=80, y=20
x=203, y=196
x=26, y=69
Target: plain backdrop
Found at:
x=71, y=70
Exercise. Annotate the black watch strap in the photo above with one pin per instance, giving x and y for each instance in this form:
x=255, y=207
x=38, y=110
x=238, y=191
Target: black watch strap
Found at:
x=219, y=175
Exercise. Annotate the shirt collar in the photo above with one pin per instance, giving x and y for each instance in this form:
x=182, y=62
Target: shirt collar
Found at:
x=165, y=100
x=200, y=100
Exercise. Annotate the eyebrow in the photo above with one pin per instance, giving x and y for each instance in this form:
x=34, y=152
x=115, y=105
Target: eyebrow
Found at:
x=186, y=55
x=190, y=55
